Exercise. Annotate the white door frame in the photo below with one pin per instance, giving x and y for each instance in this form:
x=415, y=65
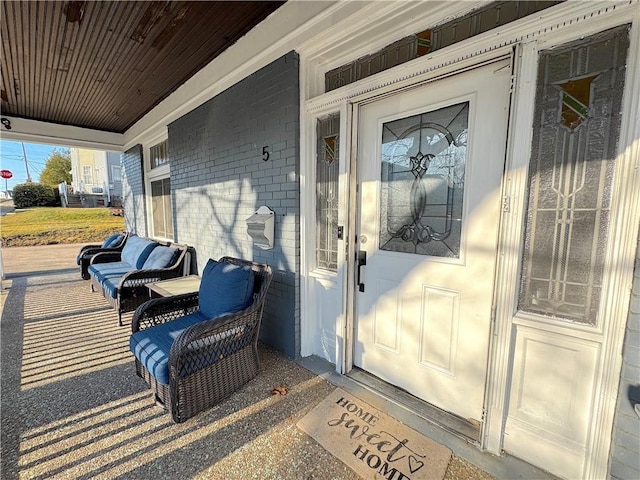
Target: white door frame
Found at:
x=557, y=25
x=625, y=217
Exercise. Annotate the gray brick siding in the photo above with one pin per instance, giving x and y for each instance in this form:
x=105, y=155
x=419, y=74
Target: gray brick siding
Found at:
x=625, y=452
x=133, y=191
x=219, y=178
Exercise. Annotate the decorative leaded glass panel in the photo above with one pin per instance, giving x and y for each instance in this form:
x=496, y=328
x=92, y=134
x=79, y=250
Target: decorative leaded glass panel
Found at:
x=454, y=31
x=327, y=163
x=422, y=182
x=575, y=137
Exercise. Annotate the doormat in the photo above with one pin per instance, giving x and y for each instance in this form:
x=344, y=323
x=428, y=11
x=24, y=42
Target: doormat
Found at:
x=372, y=443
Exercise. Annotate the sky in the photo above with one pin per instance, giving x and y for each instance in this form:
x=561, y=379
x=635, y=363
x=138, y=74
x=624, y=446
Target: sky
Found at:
x=12, y=158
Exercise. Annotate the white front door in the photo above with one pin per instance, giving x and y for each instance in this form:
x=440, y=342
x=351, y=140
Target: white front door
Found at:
x=430, y=164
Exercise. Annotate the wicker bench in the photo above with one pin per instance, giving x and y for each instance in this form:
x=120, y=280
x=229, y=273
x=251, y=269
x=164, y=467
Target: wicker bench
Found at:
x=114, y=243
x=191, y=356
x=122, y=276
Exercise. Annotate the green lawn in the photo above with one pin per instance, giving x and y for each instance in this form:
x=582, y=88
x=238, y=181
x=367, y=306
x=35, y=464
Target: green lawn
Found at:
x=46, y=226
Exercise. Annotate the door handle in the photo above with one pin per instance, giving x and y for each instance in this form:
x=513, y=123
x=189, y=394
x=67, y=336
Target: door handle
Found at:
x=361, y=259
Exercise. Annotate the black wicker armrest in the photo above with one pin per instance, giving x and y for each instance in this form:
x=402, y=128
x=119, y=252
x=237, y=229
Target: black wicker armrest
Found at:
x=84, y=249
x=94, y=249
x=138, y=278
x=91, y=250
x=214, y=339
x=106, y=257
x=162, y=310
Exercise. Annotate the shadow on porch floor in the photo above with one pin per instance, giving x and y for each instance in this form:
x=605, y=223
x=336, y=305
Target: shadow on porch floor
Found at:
x=72, y=406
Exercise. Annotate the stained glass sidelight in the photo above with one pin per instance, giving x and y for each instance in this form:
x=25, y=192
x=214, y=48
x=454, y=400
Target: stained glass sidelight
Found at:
x=575, y=136
x=328, y=130
x=422, y=182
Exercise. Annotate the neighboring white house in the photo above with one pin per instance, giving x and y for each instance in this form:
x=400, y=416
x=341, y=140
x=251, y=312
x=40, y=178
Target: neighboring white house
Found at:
x=457, y=205
x=96, y=172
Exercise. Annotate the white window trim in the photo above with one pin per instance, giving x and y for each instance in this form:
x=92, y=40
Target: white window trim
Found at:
x=153, y=175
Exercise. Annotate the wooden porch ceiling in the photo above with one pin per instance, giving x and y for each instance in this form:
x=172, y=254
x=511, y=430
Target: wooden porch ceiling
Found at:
x=103, y=65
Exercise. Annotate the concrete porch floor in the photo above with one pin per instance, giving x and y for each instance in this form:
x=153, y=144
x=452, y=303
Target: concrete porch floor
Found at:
x=73, y=407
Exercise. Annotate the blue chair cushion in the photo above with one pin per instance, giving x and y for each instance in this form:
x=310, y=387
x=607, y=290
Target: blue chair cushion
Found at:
x=225, y=288
x=161, y=257
x=151, y=346
x=108, y=242
x=137, y=250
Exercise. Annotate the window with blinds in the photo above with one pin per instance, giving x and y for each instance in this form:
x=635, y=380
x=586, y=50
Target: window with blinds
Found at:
x=161, y=211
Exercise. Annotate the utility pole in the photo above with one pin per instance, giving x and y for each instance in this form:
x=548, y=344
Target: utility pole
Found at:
x=26, y=164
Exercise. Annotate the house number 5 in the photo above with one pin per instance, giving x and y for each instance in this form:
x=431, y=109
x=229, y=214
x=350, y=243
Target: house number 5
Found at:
x=265, y=153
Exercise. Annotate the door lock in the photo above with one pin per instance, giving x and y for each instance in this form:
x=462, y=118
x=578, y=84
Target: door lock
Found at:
x=361, y=258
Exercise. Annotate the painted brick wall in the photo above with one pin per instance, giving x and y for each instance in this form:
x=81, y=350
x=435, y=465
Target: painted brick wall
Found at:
x=133, y=191
x=219, y=178
x=625, y=453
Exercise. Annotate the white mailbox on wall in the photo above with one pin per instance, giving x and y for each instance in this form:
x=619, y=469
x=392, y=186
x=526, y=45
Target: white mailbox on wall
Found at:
x=261, y=226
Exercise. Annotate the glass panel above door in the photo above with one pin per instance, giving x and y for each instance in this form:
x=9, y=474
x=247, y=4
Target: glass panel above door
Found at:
x=575, y=137
x=422, y=182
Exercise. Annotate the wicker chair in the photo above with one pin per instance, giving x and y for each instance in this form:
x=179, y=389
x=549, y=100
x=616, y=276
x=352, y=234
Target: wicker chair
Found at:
x=113, y=244
x=132, y=289
x=208, y=360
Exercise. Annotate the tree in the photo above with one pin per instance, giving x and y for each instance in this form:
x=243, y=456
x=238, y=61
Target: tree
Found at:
x=57, y=168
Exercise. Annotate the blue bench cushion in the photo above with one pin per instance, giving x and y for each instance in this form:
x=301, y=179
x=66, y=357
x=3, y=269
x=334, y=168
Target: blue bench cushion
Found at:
x=161, y=257
x=109, y=275
x=151, y=346
x=225, y=288
x=137, y=250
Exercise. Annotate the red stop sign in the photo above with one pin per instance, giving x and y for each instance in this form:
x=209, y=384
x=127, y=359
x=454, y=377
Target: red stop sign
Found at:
x=6, y=174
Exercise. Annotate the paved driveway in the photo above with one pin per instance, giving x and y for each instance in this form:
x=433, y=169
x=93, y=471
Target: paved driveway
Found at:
x=6, y=207
x=24, y=261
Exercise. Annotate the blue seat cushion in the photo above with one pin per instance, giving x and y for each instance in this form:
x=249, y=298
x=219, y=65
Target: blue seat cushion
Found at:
x=161, y=257
x=151, y=346
x=225, y=288
x=109, y=275
x=108, y=242
x=137, y=250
